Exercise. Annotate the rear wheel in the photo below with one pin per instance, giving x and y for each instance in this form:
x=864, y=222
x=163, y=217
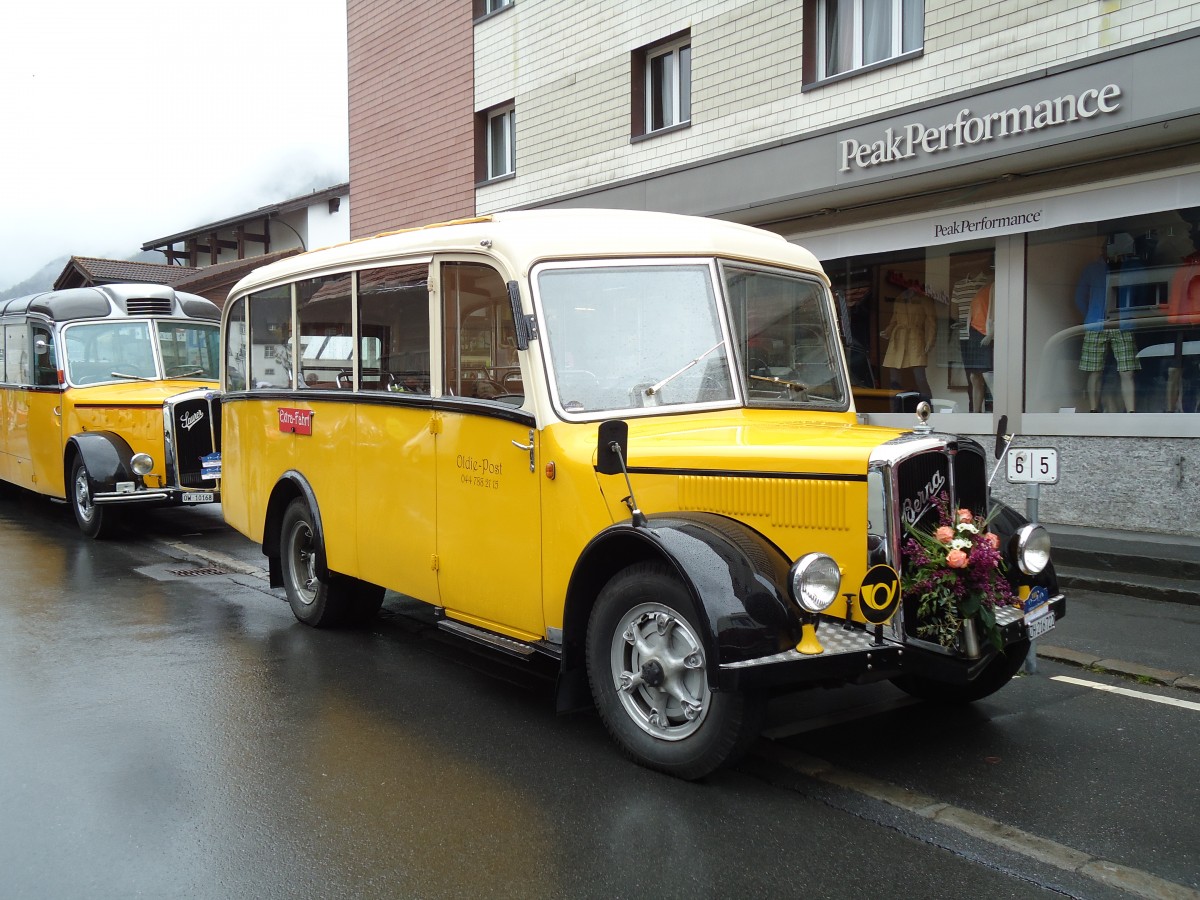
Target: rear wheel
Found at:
x=648, y=671
x=315, y=601
x=95, y=521
x=995, y=675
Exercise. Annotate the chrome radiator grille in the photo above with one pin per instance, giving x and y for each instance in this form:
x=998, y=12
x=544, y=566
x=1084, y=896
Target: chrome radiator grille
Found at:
x=194, y=430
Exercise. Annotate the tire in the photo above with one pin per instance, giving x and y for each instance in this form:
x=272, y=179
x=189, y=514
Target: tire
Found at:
x=97, y=522
x=995, y=675
x=316, y=602
x=675, y=724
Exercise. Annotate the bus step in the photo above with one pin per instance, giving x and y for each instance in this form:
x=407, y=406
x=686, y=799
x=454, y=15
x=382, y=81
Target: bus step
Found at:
x=499, y=642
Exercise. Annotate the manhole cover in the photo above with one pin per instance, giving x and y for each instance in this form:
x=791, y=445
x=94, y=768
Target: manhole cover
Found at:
x=199, y=572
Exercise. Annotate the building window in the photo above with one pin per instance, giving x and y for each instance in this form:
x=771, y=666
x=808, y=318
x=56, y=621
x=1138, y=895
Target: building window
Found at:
x=487, y=7
x=854, y=34
x=497, y=142
x=662, y=85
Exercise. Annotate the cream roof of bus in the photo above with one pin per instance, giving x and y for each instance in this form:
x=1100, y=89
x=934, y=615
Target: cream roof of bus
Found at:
x=525, y=237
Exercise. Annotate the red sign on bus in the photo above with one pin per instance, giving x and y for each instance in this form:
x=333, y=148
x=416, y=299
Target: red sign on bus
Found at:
x=295, y=421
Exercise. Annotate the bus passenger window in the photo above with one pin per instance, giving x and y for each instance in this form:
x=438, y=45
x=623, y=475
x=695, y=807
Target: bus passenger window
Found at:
x=271, y=338
x=326, y=334
x=393, y=327
x=480, y=336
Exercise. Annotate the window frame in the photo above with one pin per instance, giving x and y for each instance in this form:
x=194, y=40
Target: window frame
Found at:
x=484, y=142
x=643, y=85
x=485, y=9
x=816, y=63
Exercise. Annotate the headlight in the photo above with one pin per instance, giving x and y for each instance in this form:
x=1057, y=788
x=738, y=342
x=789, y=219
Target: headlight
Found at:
x=816, y=579
x=143, y=463
x=1032, y=549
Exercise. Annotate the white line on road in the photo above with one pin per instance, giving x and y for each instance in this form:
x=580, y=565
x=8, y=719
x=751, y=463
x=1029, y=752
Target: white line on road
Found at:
x=1140, y=695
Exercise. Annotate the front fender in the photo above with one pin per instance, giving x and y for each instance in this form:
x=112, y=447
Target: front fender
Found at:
x=1005, y=522
x=737, y=580
x=108, y=459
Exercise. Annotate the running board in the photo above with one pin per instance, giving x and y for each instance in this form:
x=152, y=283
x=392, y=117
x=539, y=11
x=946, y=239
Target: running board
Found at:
x=511, y=646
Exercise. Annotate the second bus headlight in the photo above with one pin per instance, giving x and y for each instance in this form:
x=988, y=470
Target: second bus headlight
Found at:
x=815, y=581
x=142, y=463
x=1032, y=548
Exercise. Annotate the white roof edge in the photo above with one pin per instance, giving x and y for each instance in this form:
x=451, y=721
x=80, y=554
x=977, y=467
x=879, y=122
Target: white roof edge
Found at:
x=523, y=237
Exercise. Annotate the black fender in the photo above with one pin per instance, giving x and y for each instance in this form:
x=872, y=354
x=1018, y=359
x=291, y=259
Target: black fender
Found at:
x=736, y=577
x=106, y=455
x=291, y=484
x=1005, y=522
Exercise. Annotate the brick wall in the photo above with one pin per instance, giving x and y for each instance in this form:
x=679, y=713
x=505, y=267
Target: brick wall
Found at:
x=410, y=110
x=568, y=68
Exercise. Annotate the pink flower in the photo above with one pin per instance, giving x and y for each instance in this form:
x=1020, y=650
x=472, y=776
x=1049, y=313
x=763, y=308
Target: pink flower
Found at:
x=956, y=559
x=965, y=515
x=993, y=540
x=945, y=534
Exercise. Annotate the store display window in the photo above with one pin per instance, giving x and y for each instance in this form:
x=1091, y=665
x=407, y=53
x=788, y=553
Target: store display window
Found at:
x=920, y=321
x=1113, y=316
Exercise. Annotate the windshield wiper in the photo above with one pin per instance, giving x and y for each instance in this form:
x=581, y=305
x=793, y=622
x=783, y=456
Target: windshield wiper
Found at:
x=797, y=386
x=655, y=388
x=134, y=377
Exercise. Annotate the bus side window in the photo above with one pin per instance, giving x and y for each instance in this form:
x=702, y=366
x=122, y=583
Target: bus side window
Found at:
x=45, y=361
x=480, y=336
x=271, y=338
x=235, y=347
x=326, y=336
x=16, y=354
x=393, y=327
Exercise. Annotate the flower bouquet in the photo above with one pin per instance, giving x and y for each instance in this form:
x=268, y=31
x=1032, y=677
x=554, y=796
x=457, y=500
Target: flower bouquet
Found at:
x=958, y=573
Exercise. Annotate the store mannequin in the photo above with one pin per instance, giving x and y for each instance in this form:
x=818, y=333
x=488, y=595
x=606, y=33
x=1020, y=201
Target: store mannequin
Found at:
x=977, y=351
x=1102, y=331
x=911, y=335
x=1183, y=308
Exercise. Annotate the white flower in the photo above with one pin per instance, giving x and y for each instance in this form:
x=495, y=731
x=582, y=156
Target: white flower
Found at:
x=960, y=544
x=967, y=526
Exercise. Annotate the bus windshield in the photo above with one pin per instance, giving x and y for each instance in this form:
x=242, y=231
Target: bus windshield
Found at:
x=626, y=337
x=100, y=352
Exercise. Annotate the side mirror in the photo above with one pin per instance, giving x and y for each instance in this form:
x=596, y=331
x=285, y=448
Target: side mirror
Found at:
x=614, y=437
x=1001, y=436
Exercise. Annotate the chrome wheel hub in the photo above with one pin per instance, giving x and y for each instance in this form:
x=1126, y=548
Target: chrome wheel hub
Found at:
x=658, y=669
x=303, y=563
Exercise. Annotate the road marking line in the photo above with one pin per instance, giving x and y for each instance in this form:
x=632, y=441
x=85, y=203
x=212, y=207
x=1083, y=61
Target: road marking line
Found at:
x=1140, y=695
x=1134, y=881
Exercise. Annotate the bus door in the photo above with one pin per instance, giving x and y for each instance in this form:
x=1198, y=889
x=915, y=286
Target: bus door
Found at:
x=45, y=415
x=488, y=522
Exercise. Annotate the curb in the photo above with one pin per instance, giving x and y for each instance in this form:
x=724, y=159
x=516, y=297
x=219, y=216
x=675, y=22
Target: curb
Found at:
x=1129, y=670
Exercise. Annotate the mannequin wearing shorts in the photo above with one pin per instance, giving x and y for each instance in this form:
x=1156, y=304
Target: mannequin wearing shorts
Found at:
x=1100, y=335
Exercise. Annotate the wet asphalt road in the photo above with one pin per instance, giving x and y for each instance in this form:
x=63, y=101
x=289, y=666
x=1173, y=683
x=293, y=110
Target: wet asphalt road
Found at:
x=171, y=733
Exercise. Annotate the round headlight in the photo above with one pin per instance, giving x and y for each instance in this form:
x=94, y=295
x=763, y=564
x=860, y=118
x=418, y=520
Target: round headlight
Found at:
x=816, y=579
x=1033, y=548
x=142, y=463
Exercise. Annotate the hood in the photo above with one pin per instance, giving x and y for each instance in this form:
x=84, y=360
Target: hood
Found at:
x=766, y=441
x=136, y=393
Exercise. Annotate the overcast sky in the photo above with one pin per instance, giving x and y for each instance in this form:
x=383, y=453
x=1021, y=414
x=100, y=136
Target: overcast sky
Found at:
x=126, y=121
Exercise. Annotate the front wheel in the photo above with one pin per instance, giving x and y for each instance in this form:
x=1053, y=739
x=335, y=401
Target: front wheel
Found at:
x=994, y=676
x=95, y=521
x=648, y=672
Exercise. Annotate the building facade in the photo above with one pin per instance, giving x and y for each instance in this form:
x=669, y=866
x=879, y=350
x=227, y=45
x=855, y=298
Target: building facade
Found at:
x=1006, y=195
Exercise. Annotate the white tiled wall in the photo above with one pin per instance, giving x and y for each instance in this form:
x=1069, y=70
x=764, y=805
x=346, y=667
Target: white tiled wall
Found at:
x=567, y=66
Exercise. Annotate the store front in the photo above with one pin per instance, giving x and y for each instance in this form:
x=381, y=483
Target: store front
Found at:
x=1075, y=313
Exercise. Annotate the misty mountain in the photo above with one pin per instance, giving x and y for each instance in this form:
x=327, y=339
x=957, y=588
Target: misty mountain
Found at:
x=43, y=279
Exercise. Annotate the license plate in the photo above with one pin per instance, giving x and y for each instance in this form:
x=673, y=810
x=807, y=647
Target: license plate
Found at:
x=1040, y=622
x=198, y=497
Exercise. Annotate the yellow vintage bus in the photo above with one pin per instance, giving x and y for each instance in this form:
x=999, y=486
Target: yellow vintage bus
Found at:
x=109, y=398
x=621, y=442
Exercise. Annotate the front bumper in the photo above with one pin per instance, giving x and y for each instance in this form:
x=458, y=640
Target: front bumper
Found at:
x=156, y=497
x=855, y=655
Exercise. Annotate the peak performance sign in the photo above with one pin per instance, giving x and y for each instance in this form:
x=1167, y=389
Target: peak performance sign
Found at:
x=969, y=130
